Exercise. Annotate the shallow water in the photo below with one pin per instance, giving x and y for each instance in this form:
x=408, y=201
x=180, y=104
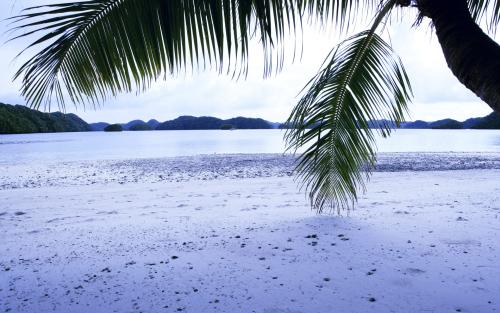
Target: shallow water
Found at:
x=64, y=147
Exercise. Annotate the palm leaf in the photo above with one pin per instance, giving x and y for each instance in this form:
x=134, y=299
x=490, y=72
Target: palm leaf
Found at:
x=487, y=10
x=362, y=81
x=92, y=50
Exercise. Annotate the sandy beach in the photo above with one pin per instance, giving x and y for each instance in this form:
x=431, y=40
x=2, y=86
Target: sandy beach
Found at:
x=233, y=233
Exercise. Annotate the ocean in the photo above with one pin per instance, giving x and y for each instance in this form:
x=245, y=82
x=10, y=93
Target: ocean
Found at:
x=67, y=147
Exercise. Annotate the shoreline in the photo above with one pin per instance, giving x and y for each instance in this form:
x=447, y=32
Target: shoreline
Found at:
x=216, y=166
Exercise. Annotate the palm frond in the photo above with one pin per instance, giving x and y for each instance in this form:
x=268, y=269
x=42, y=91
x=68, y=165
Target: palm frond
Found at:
x=364, y=80
x=486, y=10
x=91, y=50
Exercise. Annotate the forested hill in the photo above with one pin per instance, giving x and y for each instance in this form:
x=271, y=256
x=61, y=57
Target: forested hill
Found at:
x=18, y=119
x=491, y=121
x=208, y=122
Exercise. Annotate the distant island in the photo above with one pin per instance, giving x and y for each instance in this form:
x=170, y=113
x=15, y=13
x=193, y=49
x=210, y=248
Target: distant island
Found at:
x=134, y=125
x=491, y=121
x=18, y=119
x=207, y=122
x=193, y=123
x=113, y=128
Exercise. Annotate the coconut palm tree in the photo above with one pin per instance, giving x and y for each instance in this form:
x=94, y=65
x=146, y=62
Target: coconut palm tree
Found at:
x=91, y=50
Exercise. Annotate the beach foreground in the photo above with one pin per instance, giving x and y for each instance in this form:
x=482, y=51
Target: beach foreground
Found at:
x=418, y=241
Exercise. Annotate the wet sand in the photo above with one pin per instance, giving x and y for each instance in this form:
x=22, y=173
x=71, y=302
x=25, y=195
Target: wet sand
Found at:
x=234, y=234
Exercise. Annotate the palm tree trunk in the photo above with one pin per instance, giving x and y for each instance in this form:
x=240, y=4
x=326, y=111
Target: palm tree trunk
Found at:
x=472, y=56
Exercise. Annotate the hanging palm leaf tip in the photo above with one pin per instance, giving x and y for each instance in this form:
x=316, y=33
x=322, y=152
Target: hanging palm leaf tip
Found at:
x=363, y=80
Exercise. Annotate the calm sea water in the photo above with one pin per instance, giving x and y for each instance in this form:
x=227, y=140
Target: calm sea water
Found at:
x=155, y=144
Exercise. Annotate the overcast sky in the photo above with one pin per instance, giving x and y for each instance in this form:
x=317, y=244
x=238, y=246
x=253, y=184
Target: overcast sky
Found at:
x=438, y=94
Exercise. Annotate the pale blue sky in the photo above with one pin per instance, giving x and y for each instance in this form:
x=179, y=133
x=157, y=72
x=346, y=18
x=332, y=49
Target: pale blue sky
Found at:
x=437, y=92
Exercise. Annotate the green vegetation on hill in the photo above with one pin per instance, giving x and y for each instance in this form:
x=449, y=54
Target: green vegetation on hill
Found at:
x=113, y=128
x=129, y=125
x=418, y=124
x=446, y=124
x=98, y=126
x=18, y=119
x=140, y=126
x=153, y=123
x=491, y=121
x=208, y=122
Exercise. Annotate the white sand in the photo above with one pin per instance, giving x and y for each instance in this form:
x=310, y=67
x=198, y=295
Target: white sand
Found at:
x=417, y=242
